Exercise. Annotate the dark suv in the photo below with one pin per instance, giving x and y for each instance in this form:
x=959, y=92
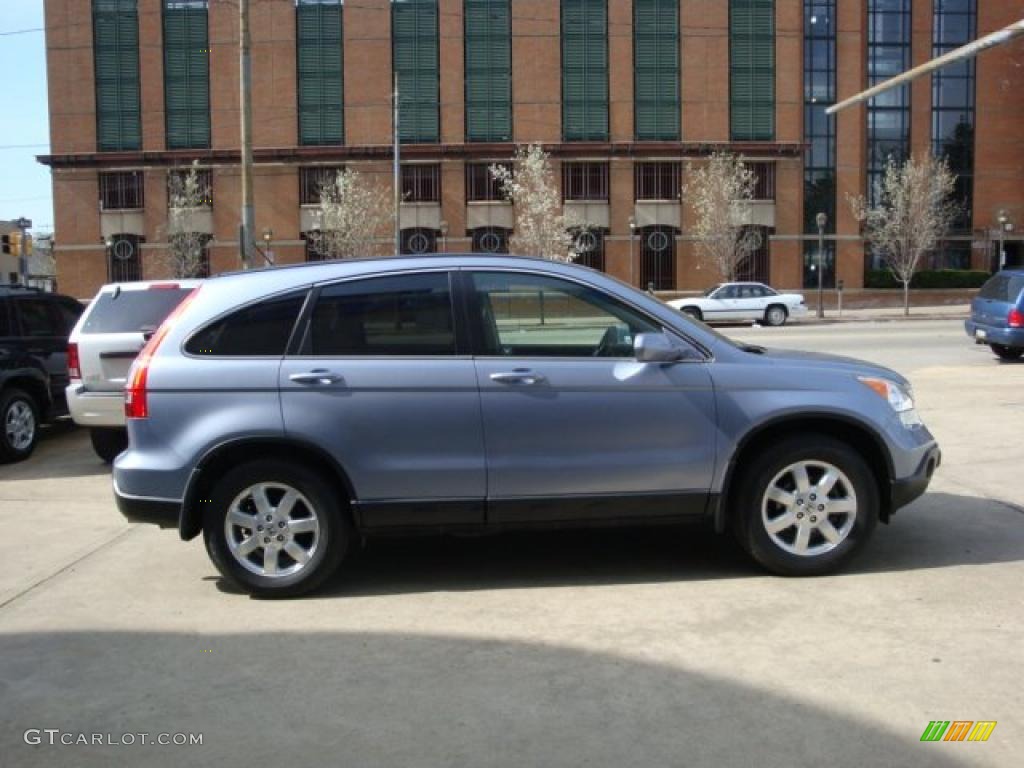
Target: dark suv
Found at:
x=34, y=328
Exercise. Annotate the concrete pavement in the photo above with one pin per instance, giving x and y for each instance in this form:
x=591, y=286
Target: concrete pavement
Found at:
x=605, y=648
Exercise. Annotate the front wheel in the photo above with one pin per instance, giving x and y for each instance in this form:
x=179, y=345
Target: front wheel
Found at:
x=107, y=442
x=805, y=507
x=275, y=529
x=19, y=421
x=1007, y=353
x=775, y=315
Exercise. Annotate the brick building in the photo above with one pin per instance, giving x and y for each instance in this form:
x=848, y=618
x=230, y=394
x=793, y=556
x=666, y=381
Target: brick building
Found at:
x=623, y=94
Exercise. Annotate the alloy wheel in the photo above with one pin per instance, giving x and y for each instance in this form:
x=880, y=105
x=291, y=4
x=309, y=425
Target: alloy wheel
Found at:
x=809, y=508
x=19, y=425
x=272, y=530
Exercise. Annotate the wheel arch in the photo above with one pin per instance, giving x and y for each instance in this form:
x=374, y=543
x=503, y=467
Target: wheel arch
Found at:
x=32, y=384
x=222, y=457
x=855, y=433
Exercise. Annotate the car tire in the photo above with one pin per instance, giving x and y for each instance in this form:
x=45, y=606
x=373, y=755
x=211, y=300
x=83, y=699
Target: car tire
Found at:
x=19, y=425
x=775, y=315
x=324, y=541
x=806, y=547
x=1007, y=353
x=107, y=442
x=693, y=312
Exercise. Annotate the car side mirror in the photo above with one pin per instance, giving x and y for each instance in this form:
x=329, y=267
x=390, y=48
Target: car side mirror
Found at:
x=656, y=348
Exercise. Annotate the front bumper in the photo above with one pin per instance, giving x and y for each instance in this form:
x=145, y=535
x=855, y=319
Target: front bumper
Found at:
x=146, y=509
x=907, y=489
x=994, y=334
x=95, y=409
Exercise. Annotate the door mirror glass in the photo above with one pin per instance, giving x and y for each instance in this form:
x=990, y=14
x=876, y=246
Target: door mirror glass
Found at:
x=656, y=348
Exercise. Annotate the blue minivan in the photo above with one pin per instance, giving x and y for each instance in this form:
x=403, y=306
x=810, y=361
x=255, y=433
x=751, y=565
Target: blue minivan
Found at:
x=997, y=314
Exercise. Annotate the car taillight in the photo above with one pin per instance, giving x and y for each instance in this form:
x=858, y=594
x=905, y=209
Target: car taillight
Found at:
x=1016, y=318
x=136, y=405
x=74, y=367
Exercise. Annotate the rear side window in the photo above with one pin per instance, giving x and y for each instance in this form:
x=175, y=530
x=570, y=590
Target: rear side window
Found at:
x=396, y=315
x=258, y=330
x=1002, y=288
x=132, y=311
x=5, y=323
x=68, y=312
x=36, y=317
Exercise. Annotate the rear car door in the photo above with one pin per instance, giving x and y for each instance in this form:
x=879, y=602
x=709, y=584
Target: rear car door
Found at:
x=383, y=381
x=575, y=427
x=44, y=338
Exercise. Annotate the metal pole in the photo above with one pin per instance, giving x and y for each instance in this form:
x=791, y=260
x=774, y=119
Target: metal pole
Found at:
x=632, y=265
x=1002, y=245
x=247, y=228
x=397, y=170
x=23, y=225
x=821, y=221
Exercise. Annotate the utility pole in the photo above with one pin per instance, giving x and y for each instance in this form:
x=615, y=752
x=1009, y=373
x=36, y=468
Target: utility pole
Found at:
x=821, y=219
x=247, y=227
x=24, y=225
x=397, y=169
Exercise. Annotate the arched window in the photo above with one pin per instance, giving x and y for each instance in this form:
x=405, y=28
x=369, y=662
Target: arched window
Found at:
x=124, y=262
x=589, y=245
x=658, y=257
x=490, y=239
x=418, y=240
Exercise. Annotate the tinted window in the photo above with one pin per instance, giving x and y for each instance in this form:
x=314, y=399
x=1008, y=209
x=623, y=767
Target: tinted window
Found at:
x=1002, y=287
x=530, y=315
x=399, y=315
x=68, y=312
x=36, y=318
x=257, y=330
x=131, y=311
x=729, y=292
x=5, y=323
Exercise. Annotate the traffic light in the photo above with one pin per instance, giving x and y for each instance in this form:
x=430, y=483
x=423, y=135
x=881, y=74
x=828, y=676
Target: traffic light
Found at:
x=6, y=244
x=15, y=240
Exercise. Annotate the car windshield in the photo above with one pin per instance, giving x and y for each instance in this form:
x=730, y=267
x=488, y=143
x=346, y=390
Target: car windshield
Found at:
x=711, y=290
x=131, y=311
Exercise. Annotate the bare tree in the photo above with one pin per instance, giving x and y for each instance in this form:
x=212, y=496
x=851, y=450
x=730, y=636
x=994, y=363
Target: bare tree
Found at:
x=353, y=217
x=542, y=226
x=188, y=195
x=915, y=209
x=719, y=192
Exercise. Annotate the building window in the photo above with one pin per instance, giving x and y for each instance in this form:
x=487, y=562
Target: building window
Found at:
x=658, y=258
x=656, y=69
x=752, y=70
x=115, y=31
x=488, y=51
x=319, y=68
x=421, y=183
x=585, y=181
x=177, y=181
x=819, y=131
x=414, y=53
x=123, y=191
x=481, y=186
x=657, y=181
x=419, y=240
x=490, y=239
x=314, y=247
x=589, y=245
x=888, y=114
x=756, y=267
x=313, y=179
x=764, y=179
x=584, y=70
x=124, y=262
x=187, y=74
x=954, y=24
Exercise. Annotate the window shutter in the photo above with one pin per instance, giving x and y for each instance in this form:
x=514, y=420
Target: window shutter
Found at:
x=584, y=70
x=488, y=40
x=319, y=65
x=752, y=69
x=656, y=69
x=187, y=76
x=116, y=57
x=415, y=60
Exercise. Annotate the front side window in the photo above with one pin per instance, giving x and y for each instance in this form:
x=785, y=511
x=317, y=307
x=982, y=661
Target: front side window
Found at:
x=535, y=316
x=408, y=315
x=259, y=330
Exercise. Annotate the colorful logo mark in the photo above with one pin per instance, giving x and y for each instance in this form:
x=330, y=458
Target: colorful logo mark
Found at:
x=958, y=730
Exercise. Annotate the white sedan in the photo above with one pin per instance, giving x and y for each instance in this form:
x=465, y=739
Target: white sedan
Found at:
x=731, y=302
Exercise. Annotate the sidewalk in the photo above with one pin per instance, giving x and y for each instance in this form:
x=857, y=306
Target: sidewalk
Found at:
x=887, y=314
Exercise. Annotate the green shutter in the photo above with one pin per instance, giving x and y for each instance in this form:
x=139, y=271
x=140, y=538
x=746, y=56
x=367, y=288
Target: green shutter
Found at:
x=488, y=34
x=115, y=29
x=319, y=64
x=752, y=69
x=656, y=69
x=584, y=70
x=414, y=53
x=187, y=74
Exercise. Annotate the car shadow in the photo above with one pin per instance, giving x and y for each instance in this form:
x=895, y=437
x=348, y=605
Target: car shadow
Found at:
x=63, y=451
x=939, y=530
x=366, y=698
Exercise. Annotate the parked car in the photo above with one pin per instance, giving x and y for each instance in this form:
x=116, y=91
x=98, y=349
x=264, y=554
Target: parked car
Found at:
x=102, y=346
x=997, y=314
x=731, y=302
x=285, y=413
x=34, y=329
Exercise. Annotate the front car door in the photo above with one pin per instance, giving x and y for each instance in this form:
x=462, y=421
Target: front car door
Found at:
x=575, y=428
x=382, y=383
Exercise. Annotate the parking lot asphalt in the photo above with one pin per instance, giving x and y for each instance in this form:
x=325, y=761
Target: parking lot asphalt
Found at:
x=605, y=648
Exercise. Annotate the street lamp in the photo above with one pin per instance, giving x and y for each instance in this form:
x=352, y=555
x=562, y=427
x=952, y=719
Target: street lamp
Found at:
x=1004, y=227
x=268, y=236
x=443, y=229
x=108, y=243
x=821, y=220
x=632, y=268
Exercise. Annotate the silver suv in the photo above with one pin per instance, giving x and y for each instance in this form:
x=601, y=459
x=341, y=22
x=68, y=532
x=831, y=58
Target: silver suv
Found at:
x=283, y=413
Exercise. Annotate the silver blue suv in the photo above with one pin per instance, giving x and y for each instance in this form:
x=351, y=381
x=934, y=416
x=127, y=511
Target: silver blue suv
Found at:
x=285, y=412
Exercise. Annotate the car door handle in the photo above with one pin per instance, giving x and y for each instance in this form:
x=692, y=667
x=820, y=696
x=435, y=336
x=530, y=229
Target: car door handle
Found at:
x=319, y=376
x=527, y=378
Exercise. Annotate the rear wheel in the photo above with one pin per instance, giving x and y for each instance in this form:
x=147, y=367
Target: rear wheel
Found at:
x=693, y=312
x=806, y=507
x=275, y=529
x=19, y=425
x=775, y=315
x=1007, y=353
x=108, y=442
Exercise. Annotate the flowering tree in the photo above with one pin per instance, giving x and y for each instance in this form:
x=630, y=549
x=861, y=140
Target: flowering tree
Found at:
x=542, y=227
x=915, y=208
x=719, y=192
x=188, y=194
x=354, y=214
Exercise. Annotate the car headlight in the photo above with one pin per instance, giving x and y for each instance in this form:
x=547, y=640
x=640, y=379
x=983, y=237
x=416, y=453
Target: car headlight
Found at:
x=900, y=398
